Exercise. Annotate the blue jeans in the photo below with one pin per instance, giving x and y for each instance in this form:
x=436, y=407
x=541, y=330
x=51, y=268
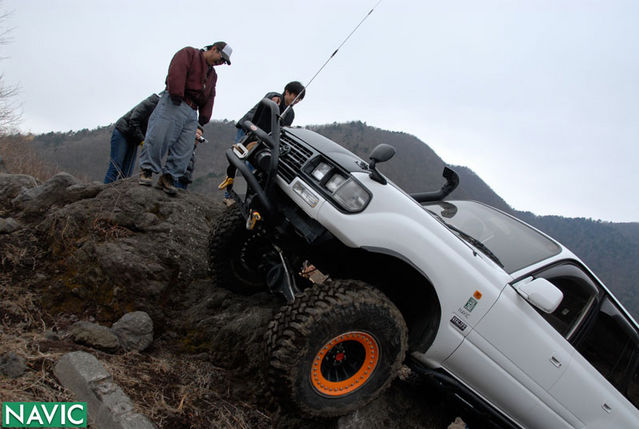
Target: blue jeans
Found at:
x=240, y=133
x=122, y=158
x=171, y=129
x=181, y=185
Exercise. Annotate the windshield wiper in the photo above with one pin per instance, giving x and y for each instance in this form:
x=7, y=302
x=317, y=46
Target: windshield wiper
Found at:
x=478, y=244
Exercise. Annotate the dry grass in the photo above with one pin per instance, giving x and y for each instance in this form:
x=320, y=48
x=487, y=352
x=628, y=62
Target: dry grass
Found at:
x=21, y=332
x=193, y=392
x=21, y=328
x=12, y=255
x=173, y=390
x=20, y=255
x=19, y=158
x=108, y=230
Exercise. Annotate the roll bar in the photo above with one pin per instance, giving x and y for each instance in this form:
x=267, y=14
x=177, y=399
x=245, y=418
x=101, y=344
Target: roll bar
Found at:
x=272, y=139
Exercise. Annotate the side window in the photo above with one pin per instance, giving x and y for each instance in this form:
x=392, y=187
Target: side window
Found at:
x=579, y=296
x=612, y=346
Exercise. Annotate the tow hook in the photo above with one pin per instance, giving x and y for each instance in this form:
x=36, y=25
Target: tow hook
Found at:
x=251, y=221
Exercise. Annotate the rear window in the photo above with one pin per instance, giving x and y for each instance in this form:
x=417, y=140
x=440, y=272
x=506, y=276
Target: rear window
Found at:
x=514, y=243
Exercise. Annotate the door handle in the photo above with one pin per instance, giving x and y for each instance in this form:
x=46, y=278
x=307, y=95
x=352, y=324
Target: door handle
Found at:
x=555, y=362
x=606, y=408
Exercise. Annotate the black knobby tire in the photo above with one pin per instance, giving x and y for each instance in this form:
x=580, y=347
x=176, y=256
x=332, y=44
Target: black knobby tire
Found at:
x=335, y=348
x=235, y=254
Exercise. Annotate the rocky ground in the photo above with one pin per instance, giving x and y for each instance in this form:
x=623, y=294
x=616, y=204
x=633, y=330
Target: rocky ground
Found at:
x=75, y=252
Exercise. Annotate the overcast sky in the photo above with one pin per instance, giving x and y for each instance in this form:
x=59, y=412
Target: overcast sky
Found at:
x=539, y=98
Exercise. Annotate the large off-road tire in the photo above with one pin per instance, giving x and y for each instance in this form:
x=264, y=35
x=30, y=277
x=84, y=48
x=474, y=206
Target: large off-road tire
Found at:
x=335, y=348
x=236, y=254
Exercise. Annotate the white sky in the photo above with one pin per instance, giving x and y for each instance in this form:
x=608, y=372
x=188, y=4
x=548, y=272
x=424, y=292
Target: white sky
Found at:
x=540, y=98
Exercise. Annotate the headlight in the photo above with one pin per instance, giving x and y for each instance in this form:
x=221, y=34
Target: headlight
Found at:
x=352, y=196
x=300, y=189
x=321, y=170
x=335, y=182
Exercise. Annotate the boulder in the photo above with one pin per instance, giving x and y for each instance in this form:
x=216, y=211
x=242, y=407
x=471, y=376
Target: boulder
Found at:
x=39, y=199
x=94, y=335
x=11, y=185
x=126, y=247
x=12, y=365
x=134, y=330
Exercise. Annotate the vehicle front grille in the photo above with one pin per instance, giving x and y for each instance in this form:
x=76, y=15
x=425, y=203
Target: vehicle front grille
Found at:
x=293, y=157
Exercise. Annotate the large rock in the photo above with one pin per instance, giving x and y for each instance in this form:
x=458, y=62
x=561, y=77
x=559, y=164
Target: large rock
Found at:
x=124, y=247
x=40, y=198
x=134, y=330
x=12, y=365
x=230, y=328
x=11, y=185
x=108, y=405
x=94, y=335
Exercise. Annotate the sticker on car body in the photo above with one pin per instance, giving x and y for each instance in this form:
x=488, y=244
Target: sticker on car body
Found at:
x=470, y=304
x=458, y=323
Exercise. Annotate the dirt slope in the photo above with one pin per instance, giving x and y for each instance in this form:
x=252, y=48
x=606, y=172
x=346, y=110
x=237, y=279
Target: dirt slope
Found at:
x=75, y=251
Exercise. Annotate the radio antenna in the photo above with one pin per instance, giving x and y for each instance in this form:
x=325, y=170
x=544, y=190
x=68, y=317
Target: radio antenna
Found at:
x=330, y=58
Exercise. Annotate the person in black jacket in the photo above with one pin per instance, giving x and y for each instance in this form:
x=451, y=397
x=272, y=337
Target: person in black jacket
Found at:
x=294, y=92
x=128, y=133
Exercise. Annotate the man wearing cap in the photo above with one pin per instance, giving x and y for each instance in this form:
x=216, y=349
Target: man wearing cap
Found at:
x=190, y=88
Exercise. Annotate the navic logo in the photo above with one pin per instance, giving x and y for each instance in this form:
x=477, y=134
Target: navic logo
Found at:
x=44, y=414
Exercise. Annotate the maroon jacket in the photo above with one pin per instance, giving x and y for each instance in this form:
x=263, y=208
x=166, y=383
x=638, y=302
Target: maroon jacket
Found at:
x=190, y=78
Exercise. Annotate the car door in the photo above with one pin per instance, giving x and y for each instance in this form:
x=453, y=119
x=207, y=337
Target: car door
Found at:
x=601, y=385
x=512, y=358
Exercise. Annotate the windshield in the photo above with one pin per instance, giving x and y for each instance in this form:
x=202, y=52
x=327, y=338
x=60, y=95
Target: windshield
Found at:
x=510, y=243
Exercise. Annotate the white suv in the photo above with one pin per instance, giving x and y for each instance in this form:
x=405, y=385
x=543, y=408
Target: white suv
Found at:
x=471, y=296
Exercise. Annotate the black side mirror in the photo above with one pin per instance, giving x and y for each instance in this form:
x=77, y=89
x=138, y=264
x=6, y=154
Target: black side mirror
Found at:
x=382, y=153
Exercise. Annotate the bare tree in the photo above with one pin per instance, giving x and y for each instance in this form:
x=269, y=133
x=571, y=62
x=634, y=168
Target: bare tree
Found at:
x=9, y=112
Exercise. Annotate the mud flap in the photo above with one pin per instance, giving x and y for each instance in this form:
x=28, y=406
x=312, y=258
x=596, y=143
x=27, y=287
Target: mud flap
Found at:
x=280, y=278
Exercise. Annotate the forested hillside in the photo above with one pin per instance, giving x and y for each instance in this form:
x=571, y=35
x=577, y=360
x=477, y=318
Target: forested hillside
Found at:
x=611, y=250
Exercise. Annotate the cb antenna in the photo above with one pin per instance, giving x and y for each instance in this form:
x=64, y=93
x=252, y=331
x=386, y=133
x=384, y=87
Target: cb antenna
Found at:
x=330, y=58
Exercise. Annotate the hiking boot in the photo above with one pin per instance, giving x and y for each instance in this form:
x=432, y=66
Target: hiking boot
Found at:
x=146, y=177
x=165, y=182
x=227, y=182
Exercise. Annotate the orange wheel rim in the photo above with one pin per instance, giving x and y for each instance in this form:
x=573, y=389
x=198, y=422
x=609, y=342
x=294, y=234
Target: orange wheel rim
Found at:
x=345, y=363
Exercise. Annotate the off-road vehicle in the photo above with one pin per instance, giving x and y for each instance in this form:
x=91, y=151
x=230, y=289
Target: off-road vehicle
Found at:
x=479, y=301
